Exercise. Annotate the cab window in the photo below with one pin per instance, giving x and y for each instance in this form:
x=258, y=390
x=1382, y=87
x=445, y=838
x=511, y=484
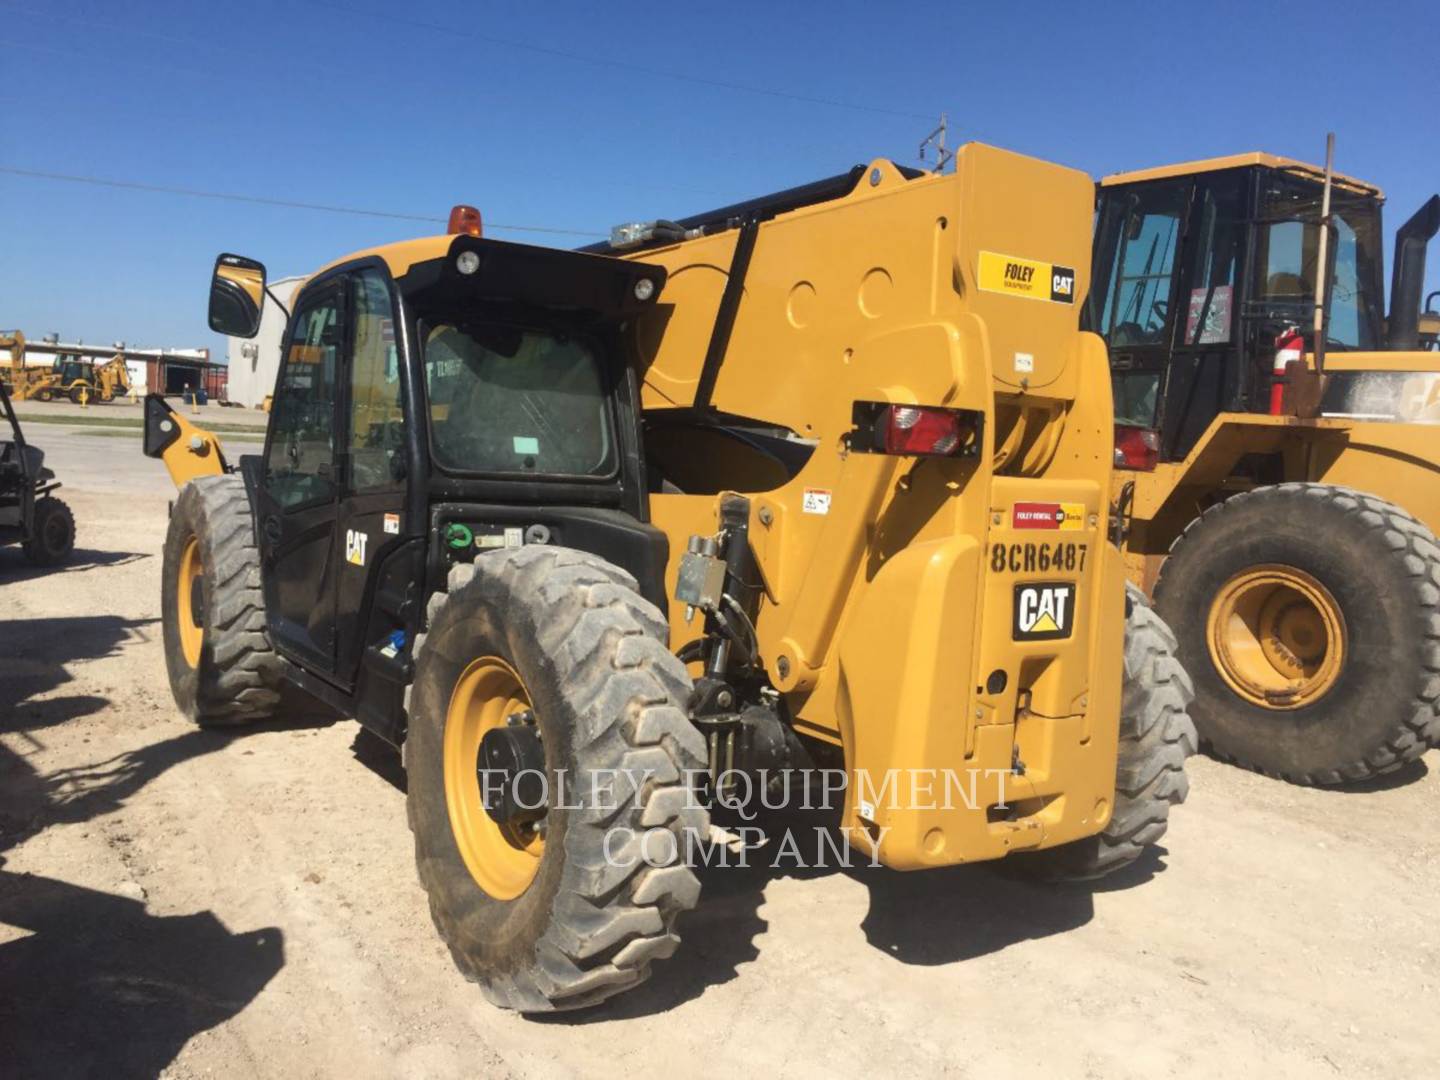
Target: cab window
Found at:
x=377, y=410
x=511, y=399
x=1141, y=232
x=299, y=462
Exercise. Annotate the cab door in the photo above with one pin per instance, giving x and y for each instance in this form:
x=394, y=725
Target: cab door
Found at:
x=373, y=476
x=1132, y=297
x=298, y=497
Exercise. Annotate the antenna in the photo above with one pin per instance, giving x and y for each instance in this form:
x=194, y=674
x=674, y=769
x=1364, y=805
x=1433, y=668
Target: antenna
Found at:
x=936, y=138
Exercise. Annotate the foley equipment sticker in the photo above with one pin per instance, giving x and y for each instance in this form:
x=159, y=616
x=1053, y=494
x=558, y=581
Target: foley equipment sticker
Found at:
x=1043, y=612
x=1014, y=276
x=1038, y=515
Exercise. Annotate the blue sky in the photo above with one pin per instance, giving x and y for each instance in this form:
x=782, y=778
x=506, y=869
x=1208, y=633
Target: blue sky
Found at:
x=571, y=116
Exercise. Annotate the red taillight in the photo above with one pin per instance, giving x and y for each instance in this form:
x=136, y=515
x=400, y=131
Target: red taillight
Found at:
x=911, y=429
x=1136, y=447
x=915, y=430
x=464, y=219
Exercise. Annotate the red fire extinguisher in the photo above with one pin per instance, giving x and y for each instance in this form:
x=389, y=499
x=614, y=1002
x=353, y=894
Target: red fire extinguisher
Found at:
x=1289, y=345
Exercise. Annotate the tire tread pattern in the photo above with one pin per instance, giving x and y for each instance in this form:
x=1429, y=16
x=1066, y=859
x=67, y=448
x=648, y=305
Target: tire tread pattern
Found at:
x=608, y=647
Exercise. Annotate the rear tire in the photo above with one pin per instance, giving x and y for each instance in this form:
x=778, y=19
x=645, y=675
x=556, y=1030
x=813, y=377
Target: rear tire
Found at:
x=229, y=673
x=1371, y=572
x=77, y=395
x=607, y=697
x=1156, y=736
x=53, y=533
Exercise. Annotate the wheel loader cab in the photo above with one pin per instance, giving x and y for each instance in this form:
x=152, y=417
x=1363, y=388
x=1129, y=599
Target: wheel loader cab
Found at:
x=1201, y=268
x=434, y=400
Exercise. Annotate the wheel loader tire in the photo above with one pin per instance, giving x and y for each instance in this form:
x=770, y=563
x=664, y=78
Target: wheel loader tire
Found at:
x=1309, y=617
x=223, y=669
x=53, y=535
x=578, y=916
x=1156, y=736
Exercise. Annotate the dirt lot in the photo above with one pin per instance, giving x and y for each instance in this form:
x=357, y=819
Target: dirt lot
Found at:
x=186, y=903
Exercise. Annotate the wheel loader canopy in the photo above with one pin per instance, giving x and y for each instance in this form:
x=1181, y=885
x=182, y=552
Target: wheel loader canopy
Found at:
x=1199, y=270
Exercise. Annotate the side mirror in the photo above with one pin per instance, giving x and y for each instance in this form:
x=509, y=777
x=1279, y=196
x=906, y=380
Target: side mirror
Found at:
x=237, y=295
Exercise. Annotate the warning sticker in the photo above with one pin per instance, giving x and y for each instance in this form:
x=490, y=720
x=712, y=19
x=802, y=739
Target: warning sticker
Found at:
x=392, y=524
x=1027, y=278
x=816, y=501
x=1038, y=515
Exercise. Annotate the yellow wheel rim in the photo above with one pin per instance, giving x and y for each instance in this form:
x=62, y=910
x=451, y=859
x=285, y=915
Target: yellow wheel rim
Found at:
x=503, y=859
x=1277, y=637
x=189, y=602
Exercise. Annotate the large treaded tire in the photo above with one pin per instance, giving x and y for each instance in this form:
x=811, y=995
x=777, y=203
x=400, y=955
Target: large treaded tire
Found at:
x=1382, y=567
x=53, y=533
x=607, y=695
x=237, y=678
x=1156, y=736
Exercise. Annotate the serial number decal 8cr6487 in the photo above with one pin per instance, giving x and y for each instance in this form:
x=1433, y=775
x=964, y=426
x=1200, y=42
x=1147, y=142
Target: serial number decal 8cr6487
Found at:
x=1031, y=558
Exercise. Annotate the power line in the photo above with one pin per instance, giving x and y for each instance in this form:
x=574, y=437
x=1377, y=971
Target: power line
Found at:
x=132, y=185
x=453, y=32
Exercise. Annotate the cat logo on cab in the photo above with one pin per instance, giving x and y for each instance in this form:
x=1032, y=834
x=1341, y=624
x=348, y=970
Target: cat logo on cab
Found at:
x=355, y=547
x=1043, y=612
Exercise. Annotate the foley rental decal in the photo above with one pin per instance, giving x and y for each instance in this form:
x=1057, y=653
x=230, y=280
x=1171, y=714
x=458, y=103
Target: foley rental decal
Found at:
x=1046, y=515
x=1027, y=278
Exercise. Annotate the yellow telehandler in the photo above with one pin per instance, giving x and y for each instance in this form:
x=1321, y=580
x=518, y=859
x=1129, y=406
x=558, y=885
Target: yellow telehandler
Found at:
x=815, y=484
x=1277, y=455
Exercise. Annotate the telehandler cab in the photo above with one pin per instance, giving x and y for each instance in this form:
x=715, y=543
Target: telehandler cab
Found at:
x=842, y=447
x=1281, y=488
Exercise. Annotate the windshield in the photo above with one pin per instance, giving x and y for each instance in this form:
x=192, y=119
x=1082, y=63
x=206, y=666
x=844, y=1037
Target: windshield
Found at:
x=507, y=399
x=1289, y=251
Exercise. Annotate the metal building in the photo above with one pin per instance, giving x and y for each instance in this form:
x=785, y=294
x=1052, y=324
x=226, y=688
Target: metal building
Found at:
x=254, y=363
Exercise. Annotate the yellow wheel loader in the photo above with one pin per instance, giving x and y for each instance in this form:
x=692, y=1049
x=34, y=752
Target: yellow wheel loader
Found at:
x=1276, y=455
x=812, y=486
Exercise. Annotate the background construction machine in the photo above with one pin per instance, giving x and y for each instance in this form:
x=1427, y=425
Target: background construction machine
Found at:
x=853, y=427
x=83, y=380
x=30, y=514
x=72, y=376
x=1282, y=487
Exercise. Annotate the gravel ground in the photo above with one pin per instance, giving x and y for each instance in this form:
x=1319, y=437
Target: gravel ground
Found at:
x=184, y=903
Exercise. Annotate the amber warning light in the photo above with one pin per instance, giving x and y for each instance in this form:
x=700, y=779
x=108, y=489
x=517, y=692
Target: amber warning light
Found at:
x=464, y=219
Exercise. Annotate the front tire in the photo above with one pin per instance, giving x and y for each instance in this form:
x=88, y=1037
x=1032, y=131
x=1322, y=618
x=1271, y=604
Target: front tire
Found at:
x=585, y=916
x=223, y=669
x=1309, y=616
x=52, y=533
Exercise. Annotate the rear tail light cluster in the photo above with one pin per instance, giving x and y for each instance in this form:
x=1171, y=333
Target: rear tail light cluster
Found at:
x=1136, y=447
x=915, y=430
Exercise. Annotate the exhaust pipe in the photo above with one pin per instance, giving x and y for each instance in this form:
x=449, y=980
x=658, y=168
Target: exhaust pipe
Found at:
x=1407, y=281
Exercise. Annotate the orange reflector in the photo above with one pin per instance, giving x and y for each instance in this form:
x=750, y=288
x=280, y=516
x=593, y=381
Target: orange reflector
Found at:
x=464, y=219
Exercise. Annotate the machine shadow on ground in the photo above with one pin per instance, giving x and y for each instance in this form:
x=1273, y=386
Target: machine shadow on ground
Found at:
x=97, y=986
x=91, y=984
x=15, y=567
x=924, y=919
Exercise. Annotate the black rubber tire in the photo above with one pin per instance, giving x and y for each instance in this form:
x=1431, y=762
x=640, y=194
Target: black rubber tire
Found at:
x=45, y=395
x=76, y=393
x=1156, y=736
x=52, y=533
x=1382, y=566
x=237, y=679
x=607, y=695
